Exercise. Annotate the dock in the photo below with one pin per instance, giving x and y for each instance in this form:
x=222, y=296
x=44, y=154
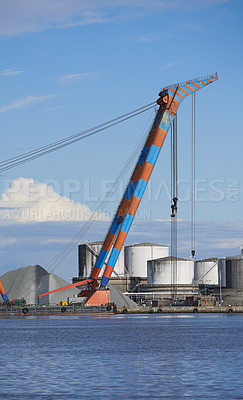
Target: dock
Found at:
x=74, y=310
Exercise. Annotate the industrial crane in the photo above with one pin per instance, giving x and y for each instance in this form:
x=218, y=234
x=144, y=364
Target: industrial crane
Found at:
x=169, y=101
x=3, y=293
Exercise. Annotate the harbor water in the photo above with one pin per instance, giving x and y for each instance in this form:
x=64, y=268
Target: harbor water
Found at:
x=165, y=356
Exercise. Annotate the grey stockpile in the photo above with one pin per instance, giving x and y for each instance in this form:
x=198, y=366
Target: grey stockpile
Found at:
x=120, y=299
x=29, y=282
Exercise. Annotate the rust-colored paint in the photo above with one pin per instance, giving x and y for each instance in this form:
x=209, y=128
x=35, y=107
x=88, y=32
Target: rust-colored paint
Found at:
x=189, y=87
x=134, y=205
x=121, y=239
x=95, y=273
x=2, y=290
x=108, y=271
x=159, y=137
x=196, y=85
x=124, y=207
x=172, y=106
x=147, y=171
x=67, y=287
x=183, y=90
x=108, y=241
x=98, y=298
x=150, y=139
x=137, y=172
x=177, y=93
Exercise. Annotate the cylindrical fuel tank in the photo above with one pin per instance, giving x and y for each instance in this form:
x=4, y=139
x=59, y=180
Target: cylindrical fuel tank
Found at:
x=160, y=271
x=137, y=255
x=207, y=271
x=234, y=272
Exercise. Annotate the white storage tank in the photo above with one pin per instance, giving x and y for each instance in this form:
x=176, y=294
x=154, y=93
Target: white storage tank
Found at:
x=137, y=255
x=207, y=271
x=160, y=271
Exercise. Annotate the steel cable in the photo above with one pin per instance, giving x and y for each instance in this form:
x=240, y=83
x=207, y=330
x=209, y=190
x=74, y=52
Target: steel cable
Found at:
x=193, y=176
x=65, y=251
x=41, y=151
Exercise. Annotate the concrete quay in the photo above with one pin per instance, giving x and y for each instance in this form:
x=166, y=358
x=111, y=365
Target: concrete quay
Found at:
x=179, y=310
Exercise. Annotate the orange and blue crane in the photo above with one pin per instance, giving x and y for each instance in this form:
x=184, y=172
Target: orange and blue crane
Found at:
x=169, y=101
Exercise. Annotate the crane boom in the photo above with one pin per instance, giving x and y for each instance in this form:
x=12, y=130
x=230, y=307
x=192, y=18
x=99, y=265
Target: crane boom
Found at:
x=66, y=287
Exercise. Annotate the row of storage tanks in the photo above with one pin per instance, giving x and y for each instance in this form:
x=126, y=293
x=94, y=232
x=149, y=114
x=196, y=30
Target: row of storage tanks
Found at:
x=132, y=260
x=152, y=261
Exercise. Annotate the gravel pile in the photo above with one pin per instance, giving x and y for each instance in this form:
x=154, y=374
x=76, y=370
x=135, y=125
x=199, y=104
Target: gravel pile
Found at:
x=120, y=299
x=29, y=282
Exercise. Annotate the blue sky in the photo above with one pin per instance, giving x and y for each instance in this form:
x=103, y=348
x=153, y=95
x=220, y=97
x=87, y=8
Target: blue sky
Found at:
x=69, y=65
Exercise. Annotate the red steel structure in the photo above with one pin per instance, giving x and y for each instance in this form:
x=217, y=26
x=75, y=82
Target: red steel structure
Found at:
x=169, y=101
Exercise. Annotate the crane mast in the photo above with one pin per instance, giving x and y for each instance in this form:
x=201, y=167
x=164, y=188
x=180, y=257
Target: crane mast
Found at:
x=169, y=101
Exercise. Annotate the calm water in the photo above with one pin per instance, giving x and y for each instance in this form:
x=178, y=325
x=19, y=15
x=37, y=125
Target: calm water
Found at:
x=122, y=357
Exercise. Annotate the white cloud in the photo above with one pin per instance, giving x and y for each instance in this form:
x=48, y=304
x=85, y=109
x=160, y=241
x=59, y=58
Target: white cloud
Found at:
x=226, y=243
x=18, y=17
x=71, y=78
x=10, y=72
x=29, y=201
x=212, y=238
x=24, y=102
x=169, y=65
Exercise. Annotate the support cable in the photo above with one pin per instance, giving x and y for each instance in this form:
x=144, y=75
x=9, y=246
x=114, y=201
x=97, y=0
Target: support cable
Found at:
x=71, y=244
x=193, y=176
x=54, y=146
x=174, y=196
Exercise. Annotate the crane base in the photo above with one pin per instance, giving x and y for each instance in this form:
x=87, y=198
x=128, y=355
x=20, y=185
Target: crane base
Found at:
x=98, y=297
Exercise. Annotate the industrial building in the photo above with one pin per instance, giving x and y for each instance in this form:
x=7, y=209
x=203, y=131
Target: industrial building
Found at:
x=131, y=267
x=147, y=274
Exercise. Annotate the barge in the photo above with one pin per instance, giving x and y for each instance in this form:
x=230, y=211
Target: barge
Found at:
x=33, y=310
